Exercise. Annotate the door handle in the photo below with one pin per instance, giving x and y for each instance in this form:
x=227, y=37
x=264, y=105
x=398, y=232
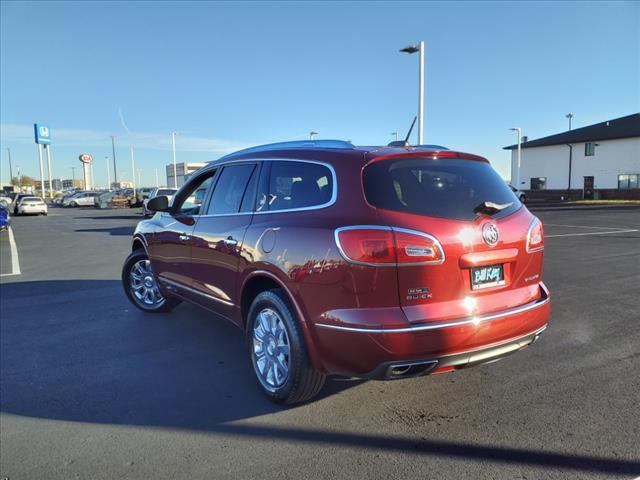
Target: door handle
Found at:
x=231, y=241
x=184, y=237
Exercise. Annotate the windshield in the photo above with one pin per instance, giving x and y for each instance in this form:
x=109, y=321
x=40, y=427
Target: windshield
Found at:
x=437, y=187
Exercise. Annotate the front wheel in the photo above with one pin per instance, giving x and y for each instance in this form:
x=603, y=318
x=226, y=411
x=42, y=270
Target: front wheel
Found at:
x=73, y=204
x=522, y=198
x=278, y=351
x=141, y=286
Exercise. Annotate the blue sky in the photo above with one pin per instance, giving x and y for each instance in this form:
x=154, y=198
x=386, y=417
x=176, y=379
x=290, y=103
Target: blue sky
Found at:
x=230, y=75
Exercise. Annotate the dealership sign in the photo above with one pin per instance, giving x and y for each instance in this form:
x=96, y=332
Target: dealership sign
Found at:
x=85, y=158
x=42, y=134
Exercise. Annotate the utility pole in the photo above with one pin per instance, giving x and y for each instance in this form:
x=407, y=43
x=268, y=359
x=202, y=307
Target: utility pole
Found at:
x=518, y=131
x=10, y=169
x=113, y=150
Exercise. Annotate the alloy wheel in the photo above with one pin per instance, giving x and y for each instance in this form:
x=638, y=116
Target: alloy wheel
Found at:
x=271, y=351
x=144, y=286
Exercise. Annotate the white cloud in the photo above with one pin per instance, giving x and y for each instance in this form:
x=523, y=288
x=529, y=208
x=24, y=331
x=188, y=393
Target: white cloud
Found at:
x=68, y=137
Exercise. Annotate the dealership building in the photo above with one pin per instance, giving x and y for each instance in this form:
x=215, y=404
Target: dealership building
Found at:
x=600, y=161
x=183, y=170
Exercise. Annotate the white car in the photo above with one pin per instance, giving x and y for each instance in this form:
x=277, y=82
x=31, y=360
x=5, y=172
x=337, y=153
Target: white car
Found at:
x=80, y=199
x=157, y=192
x=31, y=206
x=519, y=193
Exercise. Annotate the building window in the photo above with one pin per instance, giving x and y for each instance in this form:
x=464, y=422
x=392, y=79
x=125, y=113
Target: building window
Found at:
x=589, y=149
x=629, y=180
x=539, y=183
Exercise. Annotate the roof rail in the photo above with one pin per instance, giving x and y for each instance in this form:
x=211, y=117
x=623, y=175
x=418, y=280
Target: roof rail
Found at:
x=297, y=144
x=401, y=143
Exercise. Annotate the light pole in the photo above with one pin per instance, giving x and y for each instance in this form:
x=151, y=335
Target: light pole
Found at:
x=10, y=169
x=73, y=181
x=518, y=130
x=157, y=184
x=133, y=172
x=419, y=49
x=113, y=150
x=175, y=169
x=569, y=116
x=395, y=134
x=108, y=175
x=312, y=134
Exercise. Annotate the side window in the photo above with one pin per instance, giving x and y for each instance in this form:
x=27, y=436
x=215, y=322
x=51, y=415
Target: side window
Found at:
x=230, y=189
x=190, y=201
x=298, y=185
x=539, y=183
x=589, y=149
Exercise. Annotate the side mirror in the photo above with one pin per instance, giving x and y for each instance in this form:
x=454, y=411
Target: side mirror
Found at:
x=159, y=204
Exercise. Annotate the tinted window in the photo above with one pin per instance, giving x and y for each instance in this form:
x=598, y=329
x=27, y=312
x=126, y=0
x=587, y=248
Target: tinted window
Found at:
x=438, y=188
x=165, y=191
x=298, y=185
x=191, y=200
x=230, y=189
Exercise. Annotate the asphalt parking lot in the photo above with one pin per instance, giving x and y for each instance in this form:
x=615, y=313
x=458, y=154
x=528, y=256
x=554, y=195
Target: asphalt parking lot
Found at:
x=92, y=388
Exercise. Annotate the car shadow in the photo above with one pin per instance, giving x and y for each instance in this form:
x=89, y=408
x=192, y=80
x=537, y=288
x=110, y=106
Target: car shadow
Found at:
x=113, y=217
x=64, y=357
x=118, y=231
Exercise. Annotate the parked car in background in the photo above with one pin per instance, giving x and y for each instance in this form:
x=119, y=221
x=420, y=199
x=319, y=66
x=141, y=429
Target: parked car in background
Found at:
x=120, y=198
x=30, y=205
x=519, y=193
x=155, y=192
x=5, y=218
x=80, y=199
x=16, y=200
x=141, y=195
x=371, y=262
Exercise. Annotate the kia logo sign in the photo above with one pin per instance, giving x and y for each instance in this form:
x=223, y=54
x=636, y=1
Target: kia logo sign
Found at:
x=490, y=234
x=86, y=158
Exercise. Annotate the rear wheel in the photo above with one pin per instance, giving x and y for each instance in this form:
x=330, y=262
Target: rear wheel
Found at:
x=73, y=204
x=522, y=198
x=141, y=286
x=278, y=351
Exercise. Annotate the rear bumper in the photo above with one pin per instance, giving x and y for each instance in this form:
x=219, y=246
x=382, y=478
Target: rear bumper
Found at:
x=373, y=352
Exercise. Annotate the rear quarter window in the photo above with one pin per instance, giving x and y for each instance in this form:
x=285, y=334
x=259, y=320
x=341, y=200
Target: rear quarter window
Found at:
x=446, y=188
x=297, y=184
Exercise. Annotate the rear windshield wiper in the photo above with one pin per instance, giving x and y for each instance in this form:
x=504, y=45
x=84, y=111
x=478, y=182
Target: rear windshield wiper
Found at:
x=490, y=208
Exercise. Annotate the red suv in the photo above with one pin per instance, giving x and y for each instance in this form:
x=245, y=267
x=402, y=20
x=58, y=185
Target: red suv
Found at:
x=371, y=262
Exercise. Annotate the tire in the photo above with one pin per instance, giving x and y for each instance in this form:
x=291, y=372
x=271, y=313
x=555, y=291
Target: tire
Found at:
x=73, y=204
x=302, y=381
x=522, y=199
x=163, y=304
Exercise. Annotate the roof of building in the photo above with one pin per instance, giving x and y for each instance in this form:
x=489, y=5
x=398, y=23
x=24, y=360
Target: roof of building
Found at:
x=623, y=127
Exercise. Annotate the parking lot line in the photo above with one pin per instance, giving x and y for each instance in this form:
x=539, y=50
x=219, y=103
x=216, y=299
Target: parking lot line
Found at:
x=590, y=233
x=15, y=261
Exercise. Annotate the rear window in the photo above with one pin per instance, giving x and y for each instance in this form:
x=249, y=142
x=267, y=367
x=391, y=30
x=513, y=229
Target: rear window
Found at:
x=32, y=199
x=165, y=192
x=439, y=188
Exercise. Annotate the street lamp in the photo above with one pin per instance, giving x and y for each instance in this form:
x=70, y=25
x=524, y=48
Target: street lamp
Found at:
x=395, y=134
x=518, y=131
x=312, y=134
x=419, y=49
x=569, y=116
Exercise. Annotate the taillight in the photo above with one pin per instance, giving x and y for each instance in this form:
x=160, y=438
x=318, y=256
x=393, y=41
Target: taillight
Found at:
x=535, y=236
x=388, y=246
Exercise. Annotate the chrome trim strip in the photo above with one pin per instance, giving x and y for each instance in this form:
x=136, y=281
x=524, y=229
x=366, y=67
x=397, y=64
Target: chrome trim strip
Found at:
x=456, y=323
x=193, y=290
x=393, y=229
